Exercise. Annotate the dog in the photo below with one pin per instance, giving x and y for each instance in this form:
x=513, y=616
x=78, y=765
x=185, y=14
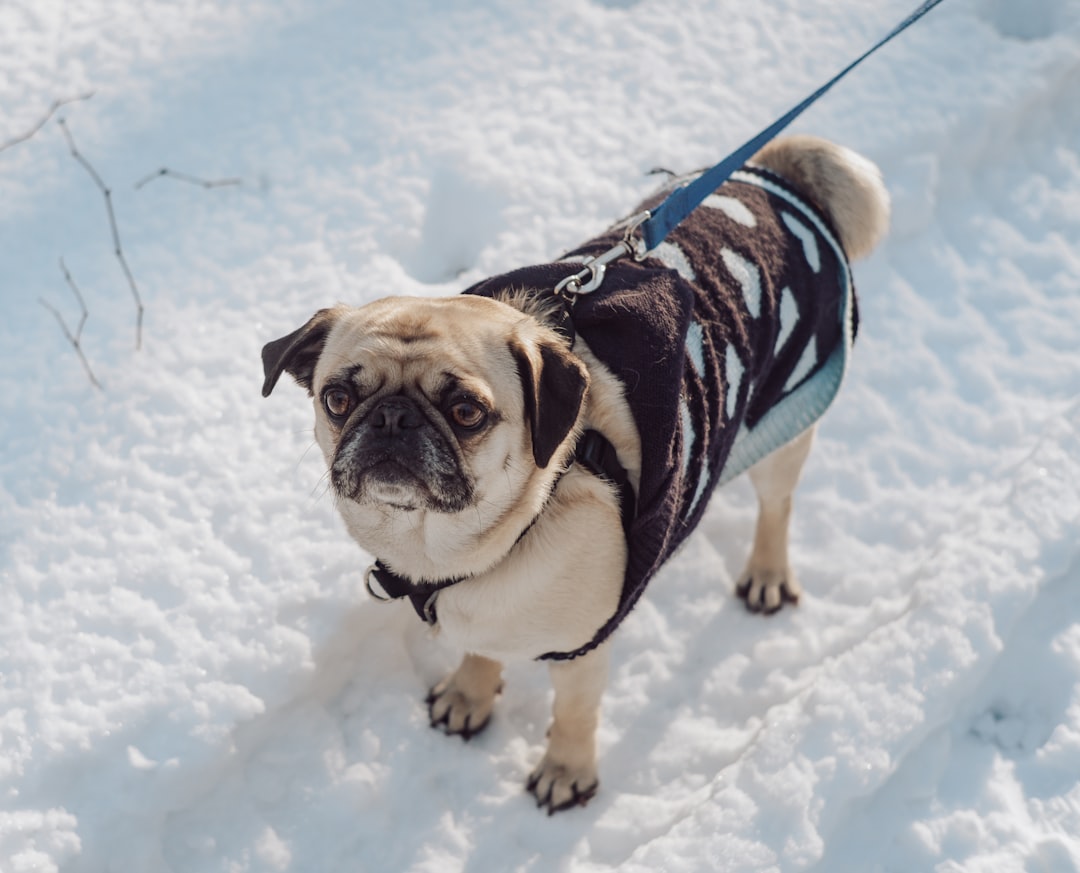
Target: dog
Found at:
x=521, y=462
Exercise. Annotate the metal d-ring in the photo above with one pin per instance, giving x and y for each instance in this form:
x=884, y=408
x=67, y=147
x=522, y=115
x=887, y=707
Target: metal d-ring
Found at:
x=591, y=275
x=637, y=246
x=381, y=595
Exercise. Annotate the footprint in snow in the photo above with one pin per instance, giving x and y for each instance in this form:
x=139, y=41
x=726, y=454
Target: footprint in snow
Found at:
x=1014, y=732
x=463, y=214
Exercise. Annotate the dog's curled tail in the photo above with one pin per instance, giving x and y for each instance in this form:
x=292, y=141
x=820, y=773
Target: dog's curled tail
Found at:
x=847, y=186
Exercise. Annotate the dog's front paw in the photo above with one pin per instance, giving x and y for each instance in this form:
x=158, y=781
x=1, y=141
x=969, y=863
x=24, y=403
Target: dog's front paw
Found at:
x=457, y=713
x=462, y=703
x=766, y=590
x=558, y=786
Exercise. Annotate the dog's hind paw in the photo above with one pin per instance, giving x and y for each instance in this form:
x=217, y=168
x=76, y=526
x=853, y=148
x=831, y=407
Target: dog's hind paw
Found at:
x=766, y=591
x=557, y=787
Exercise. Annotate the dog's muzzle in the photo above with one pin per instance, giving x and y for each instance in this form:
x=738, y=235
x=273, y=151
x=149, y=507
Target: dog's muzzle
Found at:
x=397, y=455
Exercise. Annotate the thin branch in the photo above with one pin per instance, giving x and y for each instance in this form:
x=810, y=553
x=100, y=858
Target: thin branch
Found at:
x=184, y=177
x=74, y=338
x=54, y=106
x=78, y=296
x=117, y=248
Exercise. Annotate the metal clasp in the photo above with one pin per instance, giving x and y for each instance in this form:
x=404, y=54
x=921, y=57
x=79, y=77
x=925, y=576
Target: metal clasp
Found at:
x=430, y=616
x=591, y=274
x=380, y=594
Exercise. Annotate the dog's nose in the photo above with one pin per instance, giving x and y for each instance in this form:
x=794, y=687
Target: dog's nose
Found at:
x=396, y=414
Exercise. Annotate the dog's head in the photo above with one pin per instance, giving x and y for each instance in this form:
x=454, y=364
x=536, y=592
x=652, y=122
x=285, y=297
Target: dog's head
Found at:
x=461, y=407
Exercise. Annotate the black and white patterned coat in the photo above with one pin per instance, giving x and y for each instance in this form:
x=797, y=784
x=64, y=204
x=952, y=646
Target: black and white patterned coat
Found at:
x=730, y=340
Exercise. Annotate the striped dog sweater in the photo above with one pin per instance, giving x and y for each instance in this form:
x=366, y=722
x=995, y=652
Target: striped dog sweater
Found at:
x=730, y=339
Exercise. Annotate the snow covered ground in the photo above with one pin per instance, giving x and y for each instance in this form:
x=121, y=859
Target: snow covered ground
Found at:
x=191, y=675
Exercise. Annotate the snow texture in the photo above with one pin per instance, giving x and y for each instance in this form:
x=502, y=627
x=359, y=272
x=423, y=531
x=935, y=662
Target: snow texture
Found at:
x=192, y=677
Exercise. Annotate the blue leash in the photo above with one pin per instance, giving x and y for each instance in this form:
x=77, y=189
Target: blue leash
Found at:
x=659, y=222
x=682, y=201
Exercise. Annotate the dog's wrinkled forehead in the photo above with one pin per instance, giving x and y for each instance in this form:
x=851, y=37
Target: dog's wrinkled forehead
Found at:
x=424, y=344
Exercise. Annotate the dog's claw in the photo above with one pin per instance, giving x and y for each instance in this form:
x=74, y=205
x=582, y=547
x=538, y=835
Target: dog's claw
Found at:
x=578, y=797
x=766, y=591
x=450, y=718
x=468, y=732
x=547, y=785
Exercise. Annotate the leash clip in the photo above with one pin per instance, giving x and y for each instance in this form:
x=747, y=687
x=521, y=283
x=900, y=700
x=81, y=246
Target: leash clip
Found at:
x=591, y=275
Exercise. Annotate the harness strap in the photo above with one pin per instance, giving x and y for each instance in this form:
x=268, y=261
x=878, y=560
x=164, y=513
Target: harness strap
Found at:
x=597, y=455
x=394, y=587
x=594, y=452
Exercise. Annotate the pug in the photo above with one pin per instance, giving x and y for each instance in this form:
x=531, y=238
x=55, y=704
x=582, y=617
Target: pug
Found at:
x=522, y=458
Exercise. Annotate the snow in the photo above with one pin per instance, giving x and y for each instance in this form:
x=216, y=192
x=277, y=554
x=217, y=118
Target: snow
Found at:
x=191, y=674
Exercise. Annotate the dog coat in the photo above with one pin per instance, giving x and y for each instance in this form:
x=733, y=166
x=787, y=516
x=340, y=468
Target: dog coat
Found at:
x=730, y=339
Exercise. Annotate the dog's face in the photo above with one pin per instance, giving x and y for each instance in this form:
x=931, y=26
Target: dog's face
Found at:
x=440, y=416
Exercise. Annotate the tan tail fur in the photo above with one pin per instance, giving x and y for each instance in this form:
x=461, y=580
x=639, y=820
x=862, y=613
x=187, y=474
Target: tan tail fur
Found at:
x=845, y=185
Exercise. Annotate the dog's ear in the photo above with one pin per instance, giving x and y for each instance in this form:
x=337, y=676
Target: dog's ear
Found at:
x=553, y=393
x=298, y=353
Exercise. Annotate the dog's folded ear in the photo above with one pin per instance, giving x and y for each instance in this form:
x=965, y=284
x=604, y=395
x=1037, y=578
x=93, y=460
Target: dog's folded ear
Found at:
x=298, y=353
x=553, y=389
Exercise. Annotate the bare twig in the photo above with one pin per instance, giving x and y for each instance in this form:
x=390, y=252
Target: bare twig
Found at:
x=56, y=104
x=78, y=296
x=117, y=249
x=74, y=338
x=184, y=177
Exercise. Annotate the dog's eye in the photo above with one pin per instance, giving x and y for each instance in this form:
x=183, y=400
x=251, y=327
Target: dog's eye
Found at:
x=467, y=415
x=337, y=402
